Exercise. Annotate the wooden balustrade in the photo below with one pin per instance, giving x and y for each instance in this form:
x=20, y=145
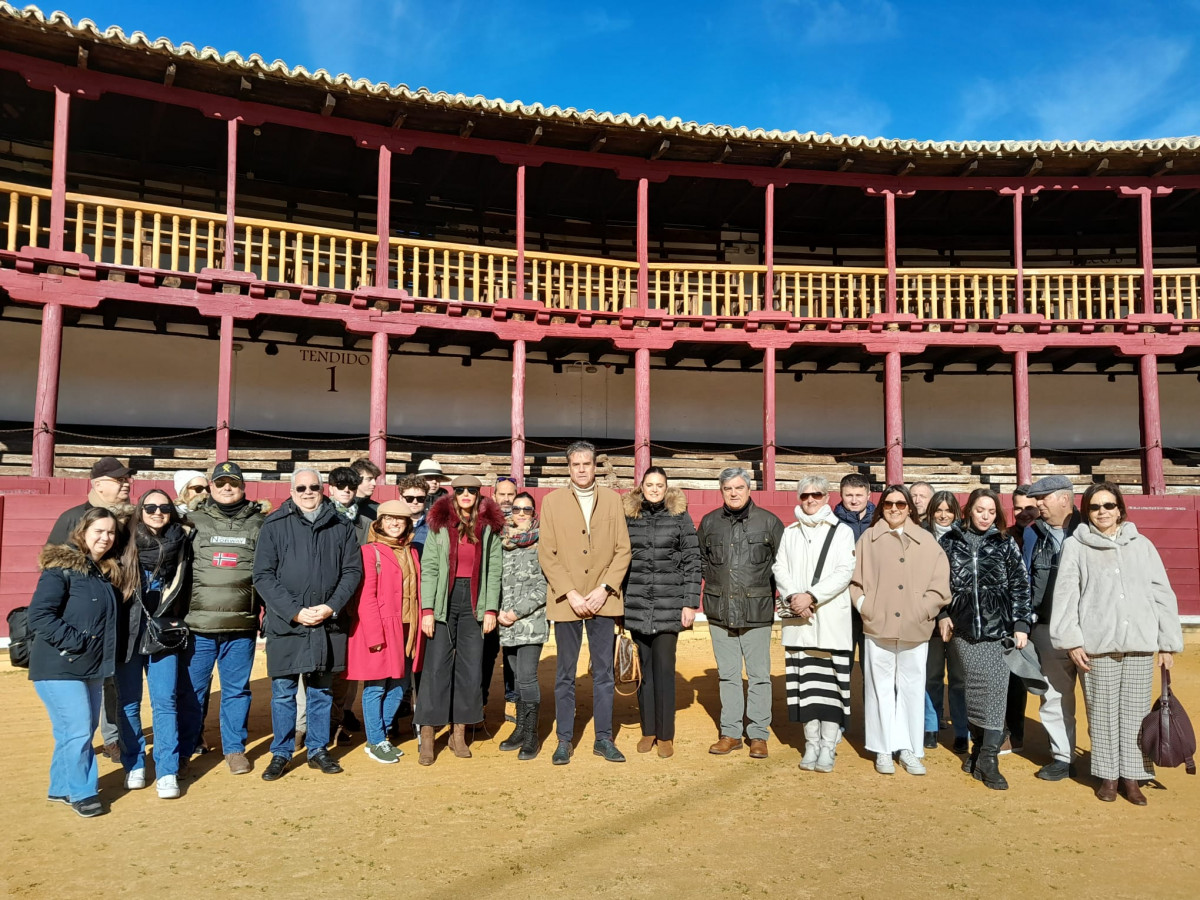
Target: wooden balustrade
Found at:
x=1177, y=294
x=131, y=233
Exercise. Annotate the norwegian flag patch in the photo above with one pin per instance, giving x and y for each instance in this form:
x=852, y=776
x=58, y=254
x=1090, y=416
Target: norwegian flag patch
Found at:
x=225, y=560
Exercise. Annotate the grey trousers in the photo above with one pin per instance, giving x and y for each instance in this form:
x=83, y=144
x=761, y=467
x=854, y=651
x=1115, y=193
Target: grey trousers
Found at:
x=1117, y=692
x=732, y=647
x=1058, y=703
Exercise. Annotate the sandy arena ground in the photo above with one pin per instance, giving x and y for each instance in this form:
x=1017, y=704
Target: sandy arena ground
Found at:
x=693, y=826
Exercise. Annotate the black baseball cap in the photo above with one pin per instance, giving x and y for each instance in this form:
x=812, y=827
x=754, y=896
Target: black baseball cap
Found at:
x=110, y=467
x=227, y=470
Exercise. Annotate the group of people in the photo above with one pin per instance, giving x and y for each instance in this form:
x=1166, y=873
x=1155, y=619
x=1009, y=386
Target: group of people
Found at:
x=418, y=598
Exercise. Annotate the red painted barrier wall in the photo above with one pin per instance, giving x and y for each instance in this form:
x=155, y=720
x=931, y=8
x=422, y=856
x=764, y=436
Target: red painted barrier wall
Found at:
x=30, y=506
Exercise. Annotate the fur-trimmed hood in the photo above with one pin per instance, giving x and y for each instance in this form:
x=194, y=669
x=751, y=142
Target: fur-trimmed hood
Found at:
x=64, y=556
x=442, y=516
x=675, y=502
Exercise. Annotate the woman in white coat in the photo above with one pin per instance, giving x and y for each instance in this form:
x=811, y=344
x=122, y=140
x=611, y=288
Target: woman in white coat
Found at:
x=812, y=572
x=1113, y=608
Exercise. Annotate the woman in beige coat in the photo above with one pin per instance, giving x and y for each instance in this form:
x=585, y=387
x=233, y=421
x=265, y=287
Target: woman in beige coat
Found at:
x=901, y=582
x=1113, y=608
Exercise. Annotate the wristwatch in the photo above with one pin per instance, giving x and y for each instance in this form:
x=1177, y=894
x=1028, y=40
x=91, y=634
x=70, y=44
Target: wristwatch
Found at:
x=607, y=589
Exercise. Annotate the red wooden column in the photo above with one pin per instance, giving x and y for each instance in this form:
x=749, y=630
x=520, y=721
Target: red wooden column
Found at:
x=769, y=249
x=769, y=419
x=1151, y=422
x=45, y=406
x=58, y=169
x=231, y=149
x=379, y=399
x=1018, y=198
x=518, y=411
x=519, y=293
x=893, y=418
x=889, y=198
x=383, y=224
x=641, y=412
x=1020, y=368
x=1147, y=254
x=224, y=387
x=643, y=249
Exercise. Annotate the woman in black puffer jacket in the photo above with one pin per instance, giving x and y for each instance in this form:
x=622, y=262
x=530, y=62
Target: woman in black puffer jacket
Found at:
x=990, y=590
x=662, y=593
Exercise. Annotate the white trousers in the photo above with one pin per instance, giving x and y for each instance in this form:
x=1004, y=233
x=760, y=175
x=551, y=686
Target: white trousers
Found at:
x=894, y=705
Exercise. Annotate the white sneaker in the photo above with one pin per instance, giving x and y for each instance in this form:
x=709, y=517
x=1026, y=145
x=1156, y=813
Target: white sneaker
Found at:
x=912, y=763
x=168, y=787
x=884, y=764
x=135, y=779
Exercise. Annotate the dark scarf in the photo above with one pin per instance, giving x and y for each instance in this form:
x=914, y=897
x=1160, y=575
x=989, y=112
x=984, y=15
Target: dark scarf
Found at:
x=738, y=515
x=159, y=554
x=229, y=510
x=654, y=507
x=518, y=540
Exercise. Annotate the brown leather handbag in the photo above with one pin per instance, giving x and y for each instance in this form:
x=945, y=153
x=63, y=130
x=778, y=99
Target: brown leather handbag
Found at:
x=1167, y=737
x=627, y=667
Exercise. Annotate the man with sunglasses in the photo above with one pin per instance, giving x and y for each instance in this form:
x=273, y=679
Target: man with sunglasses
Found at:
x=1055, y=498
x=223, y=615
x=307, y=569
x=415, y=495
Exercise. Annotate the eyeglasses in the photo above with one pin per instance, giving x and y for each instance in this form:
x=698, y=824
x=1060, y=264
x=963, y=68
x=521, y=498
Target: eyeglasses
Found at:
x=414, y=498
x=527, y=510
x=895, y=504
x=154, y=509
x=815, y=495
x=466, y=490
x=305, y=488
x=199, y=489
x=1096, y=507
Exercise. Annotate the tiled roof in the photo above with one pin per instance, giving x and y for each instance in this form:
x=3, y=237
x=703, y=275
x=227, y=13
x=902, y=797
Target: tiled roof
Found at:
x=255, y=64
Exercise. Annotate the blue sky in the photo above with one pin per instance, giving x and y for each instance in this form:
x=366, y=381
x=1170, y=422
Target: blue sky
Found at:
x=935, y=70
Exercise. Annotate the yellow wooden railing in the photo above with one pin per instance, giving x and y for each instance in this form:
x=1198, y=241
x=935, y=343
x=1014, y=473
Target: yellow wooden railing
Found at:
x=132, y=233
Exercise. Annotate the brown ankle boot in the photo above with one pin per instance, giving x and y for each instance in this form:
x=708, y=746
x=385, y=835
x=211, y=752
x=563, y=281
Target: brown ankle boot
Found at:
x=426, y=757
x=666, y=749
x=1107, y=790
x=646, y=744
x=458, y=741
x=1133, y=792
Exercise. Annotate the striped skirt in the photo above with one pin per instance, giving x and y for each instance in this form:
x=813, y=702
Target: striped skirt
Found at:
x=818, y=685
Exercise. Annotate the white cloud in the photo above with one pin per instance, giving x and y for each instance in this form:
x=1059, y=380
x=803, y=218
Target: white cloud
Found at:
x=825, y=22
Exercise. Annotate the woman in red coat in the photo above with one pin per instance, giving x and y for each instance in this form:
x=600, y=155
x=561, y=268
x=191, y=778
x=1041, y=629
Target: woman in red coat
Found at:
x=385, y=637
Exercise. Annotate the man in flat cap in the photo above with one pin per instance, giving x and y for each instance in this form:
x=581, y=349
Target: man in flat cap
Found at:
x=1055, y=497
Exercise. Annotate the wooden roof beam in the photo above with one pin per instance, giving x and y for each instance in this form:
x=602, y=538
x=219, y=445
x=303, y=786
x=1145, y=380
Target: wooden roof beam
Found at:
x=244, y=85
x=663, y=146
x=82, y=57
x=907, y=169
x=328, y=105
x=1034, y=167
x=399, y=117
x=845, y=163
x=1163, y=168
x=169, y=75
x=725, y=153
x=782, y=159
x=598, y=143
x=1099, y=166
x=467, y=128
x=535, y=137
x=968, y=169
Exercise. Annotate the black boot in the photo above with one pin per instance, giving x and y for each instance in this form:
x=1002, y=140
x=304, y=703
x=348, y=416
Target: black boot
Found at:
x=969, y=763
x=517, y=738
x=987, y=769
x=529, y=749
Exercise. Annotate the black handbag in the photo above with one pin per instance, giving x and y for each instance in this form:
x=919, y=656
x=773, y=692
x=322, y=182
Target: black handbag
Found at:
x=163, y=634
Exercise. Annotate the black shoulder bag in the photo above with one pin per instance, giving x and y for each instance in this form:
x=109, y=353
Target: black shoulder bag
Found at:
x=781, y=605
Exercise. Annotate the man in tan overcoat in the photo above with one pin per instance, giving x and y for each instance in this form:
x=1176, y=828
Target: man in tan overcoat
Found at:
x=584, y=553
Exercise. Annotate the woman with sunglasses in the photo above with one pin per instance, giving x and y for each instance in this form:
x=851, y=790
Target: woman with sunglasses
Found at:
x=461, y=569
x=943, y=511
x=73, y=618
x=901, y=582
x=812, y=572
x=190, y=488
x=523, y=625
x=1113, y=609
x=160, y=551
x=662, y=593
x=989, y=586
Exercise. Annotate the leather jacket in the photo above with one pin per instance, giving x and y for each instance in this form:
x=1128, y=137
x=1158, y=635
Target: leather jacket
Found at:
x=989, y=586
x=737, y=550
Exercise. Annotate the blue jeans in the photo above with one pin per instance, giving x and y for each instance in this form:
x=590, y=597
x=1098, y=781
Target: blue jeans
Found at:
x=74, y=709
x=233, y=656
x=319, y=698
x=380, y=700
x=162, y=678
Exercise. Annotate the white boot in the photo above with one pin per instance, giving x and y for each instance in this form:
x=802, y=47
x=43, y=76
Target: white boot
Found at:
x=812, y=740
x=830, y=734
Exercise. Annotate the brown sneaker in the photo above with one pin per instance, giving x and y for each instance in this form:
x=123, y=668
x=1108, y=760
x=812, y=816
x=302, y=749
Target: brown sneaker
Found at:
x=238, y=764
x=666, y=749
x=725, y=745
x=646, y=744
x=758, y=749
